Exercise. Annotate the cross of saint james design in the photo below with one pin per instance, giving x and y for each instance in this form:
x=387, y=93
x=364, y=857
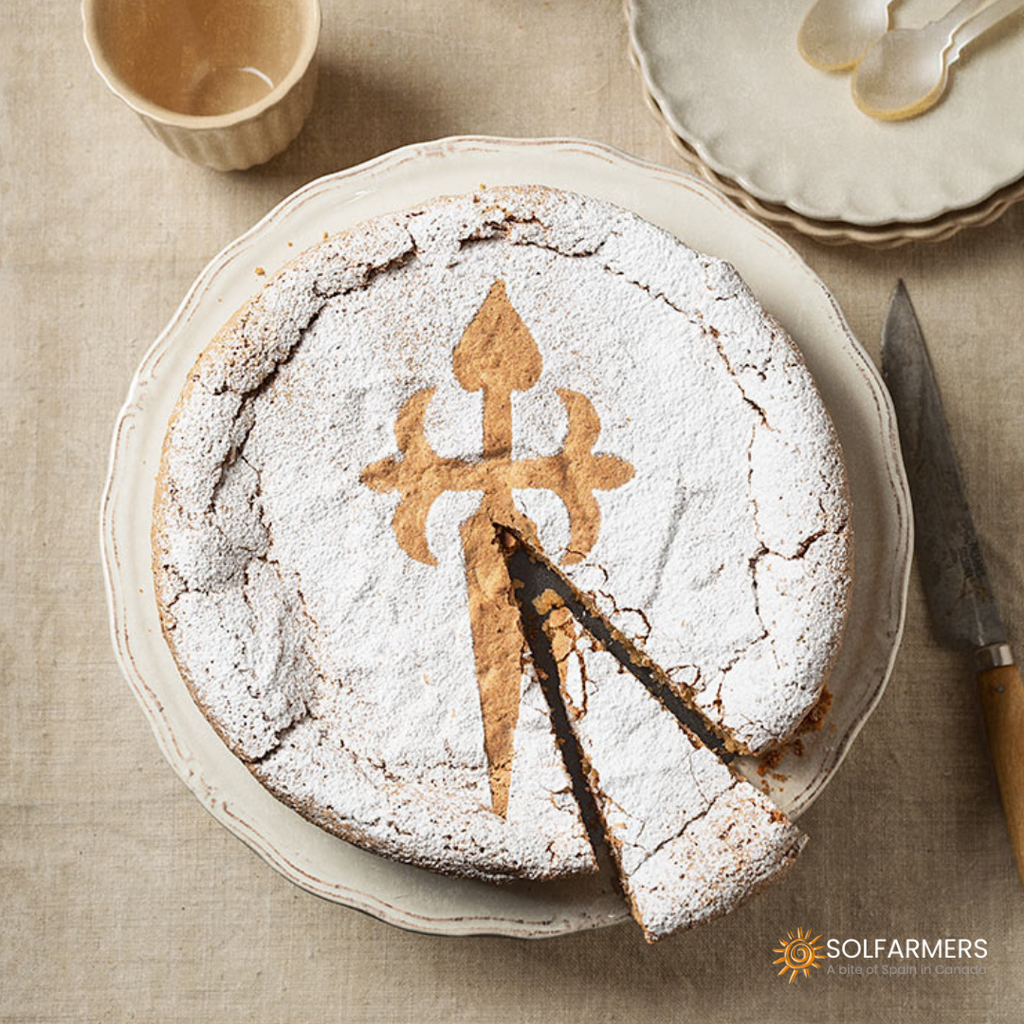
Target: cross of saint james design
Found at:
x=498, y=355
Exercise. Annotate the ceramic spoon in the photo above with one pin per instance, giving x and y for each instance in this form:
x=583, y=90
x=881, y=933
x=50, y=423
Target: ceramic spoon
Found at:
x=906, y=71
x=835, y=34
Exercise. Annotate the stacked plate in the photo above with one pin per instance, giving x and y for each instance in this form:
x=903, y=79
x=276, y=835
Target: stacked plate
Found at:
x=786, y=141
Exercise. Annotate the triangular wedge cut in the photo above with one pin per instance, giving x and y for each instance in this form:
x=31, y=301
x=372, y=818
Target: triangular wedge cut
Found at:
x=690, y=838
x=549, y=586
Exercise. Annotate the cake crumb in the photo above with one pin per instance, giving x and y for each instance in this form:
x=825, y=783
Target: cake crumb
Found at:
x=545, y=602
x=815, y=718
x=770, y=761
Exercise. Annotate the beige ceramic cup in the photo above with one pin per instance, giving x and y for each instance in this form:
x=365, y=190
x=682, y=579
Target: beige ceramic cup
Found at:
x=225, y=83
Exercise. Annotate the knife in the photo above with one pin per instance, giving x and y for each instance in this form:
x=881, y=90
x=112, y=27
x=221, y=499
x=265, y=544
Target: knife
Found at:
x=961, y=604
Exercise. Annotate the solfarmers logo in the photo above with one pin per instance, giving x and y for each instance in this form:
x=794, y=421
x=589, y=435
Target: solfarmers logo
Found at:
x=798, y=954
x=861, y=956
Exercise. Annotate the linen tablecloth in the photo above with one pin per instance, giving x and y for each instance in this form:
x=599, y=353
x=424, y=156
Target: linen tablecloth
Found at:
x=121, y=897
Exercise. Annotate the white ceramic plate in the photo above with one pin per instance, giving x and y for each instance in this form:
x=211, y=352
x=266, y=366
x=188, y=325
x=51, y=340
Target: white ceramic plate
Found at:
x=701, y=217
x=728, y=79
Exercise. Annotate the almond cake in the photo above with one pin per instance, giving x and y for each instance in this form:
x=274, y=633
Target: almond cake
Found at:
x=327, y=571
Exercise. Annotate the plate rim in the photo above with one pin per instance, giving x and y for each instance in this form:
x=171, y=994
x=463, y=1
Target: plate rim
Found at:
x=180, y=761
x=816, y=221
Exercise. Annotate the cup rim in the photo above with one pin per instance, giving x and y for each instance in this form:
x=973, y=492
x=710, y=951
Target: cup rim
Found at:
x=164, y=115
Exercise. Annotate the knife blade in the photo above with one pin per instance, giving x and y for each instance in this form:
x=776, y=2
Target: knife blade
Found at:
x=961, y=602
x=960, y=599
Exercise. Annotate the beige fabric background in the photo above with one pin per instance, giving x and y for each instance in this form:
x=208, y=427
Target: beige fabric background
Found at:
x=121, y=898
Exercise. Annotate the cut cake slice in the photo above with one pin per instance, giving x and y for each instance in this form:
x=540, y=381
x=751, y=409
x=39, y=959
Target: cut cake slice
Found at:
x=690, y=838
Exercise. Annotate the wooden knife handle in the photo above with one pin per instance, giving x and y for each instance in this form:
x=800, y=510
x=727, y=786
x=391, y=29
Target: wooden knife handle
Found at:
x=1002, y=698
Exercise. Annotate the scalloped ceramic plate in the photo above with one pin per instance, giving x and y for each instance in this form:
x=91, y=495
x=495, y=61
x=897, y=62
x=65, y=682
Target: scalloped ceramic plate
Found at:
x=701, y=217
x=729, y=81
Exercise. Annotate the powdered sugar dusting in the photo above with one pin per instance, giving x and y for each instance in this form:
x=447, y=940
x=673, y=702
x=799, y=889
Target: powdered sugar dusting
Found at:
x=341, y=668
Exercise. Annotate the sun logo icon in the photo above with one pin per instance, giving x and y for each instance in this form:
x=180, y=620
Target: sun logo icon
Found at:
x=798, y=953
